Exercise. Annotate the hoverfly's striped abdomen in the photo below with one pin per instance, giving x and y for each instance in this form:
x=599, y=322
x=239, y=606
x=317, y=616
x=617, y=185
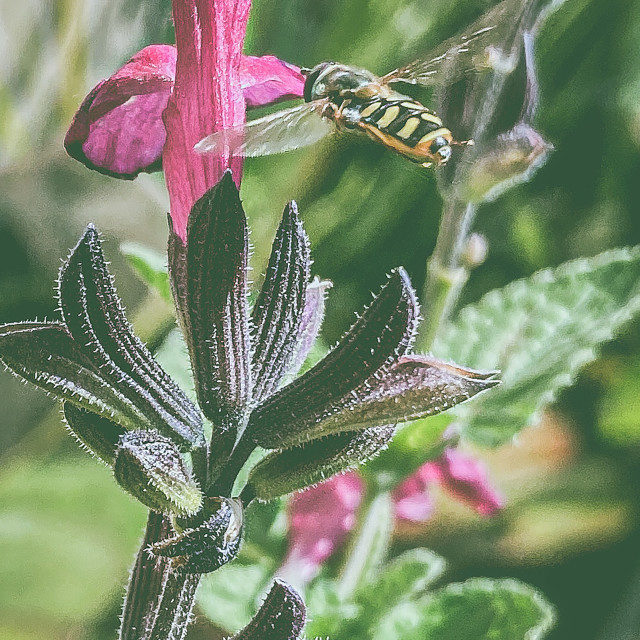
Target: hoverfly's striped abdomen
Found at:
x=403, y=125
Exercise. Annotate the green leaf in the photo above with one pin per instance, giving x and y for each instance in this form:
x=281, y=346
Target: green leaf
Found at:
x=330, y=615
x=229, y=597
x=478, y=609
x=412, y=446
x=150, y=265
x=540, y=332
x=404, y=577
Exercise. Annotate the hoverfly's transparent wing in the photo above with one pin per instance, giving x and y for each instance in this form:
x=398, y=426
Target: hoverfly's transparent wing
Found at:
x=275, y=133
x=468, y=53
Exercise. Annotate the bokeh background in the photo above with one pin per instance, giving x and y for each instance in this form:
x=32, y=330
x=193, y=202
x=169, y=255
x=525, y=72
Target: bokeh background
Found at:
x=571, y=528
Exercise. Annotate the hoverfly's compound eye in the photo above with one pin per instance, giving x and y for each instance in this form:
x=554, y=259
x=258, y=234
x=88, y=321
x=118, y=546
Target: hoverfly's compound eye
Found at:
x=441, y=150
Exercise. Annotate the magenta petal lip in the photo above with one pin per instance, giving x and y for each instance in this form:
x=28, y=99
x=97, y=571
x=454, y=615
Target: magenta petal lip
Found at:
x=118, y=129
x=268, y=79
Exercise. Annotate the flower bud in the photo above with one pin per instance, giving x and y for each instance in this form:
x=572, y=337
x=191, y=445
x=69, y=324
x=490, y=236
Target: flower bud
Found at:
x=507, y=159
x=150, y=467
x=475, y=251
x=209, y=545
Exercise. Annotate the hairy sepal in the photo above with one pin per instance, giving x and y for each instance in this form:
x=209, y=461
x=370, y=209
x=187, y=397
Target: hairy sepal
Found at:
x=95, y=319
x=414, y=387
x=278, y=312
x=205, y=547
x=297, y=468
x=215, y=314
x=379, y=337
x=46, y=355
x=281, y=616
x=99, y=435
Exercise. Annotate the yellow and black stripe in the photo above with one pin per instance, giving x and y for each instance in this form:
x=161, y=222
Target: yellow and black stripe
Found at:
x=404, y=125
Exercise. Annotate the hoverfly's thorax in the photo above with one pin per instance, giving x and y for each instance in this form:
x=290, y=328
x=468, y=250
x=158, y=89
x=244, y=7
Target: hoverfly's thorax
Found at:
x=335, y=81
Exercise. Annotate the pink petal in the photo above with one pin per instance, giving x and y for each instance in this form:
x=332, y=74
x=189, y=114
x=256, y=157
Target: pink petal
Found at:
x=466, y=479
x=411, y=500
x=268, y=79
x=463, y=476
x=118, y=128
x=320, y=520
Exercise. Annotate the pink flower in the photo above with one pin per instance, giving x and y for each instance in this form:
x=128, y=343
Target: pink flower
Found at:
x=323, y=516
x=320, y=520
x=118, y=129
x=459, y=474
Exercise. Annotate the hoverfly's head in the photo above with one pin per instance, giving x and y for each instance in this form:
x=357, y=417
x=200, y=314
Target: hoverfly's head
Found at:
x=332, y=79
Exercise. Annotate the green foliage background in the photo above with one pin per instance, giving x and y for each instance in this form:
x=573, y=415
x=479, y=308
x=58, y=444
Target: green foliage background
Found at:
x=67, y=534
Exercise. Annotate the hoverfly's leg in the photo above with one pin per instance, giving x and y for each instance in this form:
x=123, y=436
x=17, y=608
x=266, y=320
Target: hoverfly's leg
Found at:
x=462, y=143
x=427, y=165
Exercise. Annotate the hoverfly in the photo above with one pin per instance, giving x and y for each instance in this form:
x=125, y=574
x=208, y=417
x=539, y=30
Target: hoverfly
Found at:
x=343, y=98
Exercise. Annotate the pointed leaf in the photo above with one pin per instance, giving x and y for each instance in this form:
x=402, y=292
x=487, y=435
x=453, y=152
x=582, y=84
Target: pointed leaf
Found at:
x=210, y=545
x=477, y=608
x=379, y=337
x=310, y=325
x=95, y=318
x=414, y=387
x=281, y=616
x=46, y=355
x=540, y=332
x=294, y=469
x=96, y=433
x=150, y=265
x=216, y=311
x=150, y=467
x=279, y=310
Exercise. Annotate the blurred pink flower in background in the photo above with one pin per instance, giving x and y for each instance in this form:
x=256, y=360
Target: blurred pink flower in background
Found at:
x=460, y=474
x=319, y=521
x=322, y=517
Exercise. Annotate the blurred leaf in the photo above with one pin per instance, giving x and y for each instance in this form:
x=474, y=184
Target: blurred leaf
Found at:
x=620, y=407
x=477, y=608
x=67, y=534
x=404, y=577
x=150, y=265
x=540, y=332
x=229, y=597
x=174, y=359
x=330, y=615
x=412, y=446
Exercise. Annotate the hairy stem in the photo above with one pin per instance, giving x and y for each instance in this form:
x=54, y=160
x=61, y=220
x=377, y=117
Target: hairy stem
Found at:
x=159, y=599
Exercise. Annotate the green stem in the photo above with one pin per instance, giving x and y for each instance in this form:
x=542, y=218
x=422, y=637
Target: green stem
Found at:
x=446, y=275
x=369, y=544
